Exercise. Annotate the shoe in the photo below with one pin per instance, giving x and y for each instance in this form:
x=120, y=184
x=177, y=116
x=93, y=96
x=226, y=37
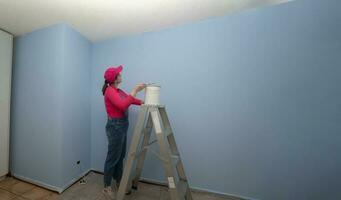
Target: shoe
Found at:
x=109, y=193
x=114, y=187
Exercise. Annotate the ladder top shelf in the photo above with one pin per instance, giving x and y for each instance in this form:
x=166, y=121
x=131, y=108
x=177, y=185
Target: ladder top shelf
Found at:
x=153, y=106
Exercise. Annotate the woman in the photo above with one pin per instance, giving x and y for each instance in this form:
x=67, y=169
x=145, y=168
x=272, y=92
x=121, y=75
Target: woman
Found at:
x=116, y=104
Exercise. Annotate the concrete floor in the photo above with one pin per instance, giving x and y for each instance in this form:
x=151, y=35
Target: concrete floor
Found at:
x=13, y=189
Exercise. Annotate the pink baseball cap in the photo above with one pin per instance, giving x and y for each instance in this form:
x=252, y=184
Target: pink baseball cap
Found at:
x=111, y=73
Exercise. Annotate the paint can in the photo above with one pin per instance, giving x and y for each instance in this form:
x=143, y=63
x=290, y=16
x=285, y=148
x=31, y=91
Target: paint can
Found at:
x=152, y=94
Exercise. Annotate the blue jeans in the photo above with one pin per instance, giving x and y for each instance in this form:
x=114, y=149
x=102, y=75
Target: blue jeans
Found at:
x=116, y=130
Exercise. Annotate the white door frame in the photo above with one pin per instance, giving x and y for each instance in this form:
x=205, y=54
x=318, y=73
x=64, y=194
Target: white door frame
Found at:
x=6, y=48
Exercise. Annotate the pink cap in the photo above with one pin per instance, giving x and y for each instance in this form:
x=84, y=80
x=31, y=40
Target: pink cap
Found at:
x=111, y=73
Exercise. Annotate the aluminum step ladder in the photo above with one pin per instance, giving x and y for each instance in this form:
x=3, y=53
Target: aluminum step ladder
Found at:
x=155, y=117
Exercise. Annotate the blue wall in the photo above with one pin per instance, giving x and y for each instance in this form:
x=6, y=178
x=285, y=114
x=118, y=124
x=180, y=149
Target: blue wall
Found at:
x=50, y=120
x=254, y=98
x=35, y=108
x=75, y=104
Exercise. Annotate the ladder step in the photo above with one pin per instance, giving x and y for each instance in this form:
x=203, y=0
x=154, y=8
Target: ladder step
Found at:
x=176, y=157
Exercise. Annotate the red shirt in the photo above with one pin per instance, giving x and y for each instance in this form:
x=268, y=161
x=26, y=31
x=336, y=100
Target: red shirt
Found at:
x=117, y=102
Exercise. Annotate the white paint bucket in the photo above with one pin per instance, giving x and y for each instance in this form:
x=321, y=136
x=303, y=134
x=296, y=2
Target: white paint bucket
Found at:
x=152, y=95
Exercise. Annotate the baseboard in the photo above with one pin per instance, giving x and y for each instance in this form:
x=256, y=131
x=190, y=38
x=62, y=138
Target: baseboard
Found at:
x=97, y=171
x=2, y=177
x=157, y=182
x=38, y=183
x=164, y=184
x=146, y=180
x=222, y=193
x=73, y=181
x=50, y=187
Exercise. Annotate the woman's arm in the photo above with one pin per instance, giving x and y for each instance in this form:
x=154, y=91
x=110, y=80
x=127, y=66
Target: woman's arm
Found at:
x=120, y=103
x=137, y=101
x=137, y=89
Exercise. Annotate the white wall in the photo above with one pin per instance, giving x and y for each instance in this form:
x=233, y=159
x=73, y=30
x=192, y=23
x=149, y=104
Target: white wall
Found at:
x=6, y=43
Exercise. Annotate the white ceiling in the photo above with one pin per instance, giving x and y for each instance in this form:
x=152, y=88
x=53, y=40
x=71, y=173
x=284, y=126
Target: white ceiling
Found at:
x=102, y=19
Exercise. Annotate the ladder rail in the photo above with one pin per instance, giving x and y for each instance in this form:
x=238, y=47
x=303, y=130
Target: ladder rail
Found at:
x=145, y=146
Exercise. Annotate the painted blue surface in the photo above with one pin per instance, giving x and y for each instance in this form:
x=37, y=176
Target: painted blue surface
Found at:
x=76, y=104
x=254, y=98
x=50, y=124
x=36, y=124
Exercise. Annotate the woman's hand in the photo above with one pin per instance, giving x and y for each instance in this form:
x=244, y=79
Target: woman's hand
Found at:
x=138, y=88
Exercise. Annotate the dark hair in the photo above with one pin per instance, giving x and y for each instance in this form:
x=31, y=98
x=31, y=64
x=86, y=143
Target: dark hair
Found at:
x=105, y=86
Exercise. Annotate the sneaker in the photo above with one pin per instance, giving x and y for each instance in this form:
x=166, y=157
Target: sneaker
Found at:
x=114, y=187
x=108, y=193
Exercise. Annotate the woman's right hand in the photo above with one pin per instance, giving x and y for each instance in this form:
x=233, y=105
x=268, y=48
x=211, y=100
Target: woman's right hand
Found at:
x=138, y=88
